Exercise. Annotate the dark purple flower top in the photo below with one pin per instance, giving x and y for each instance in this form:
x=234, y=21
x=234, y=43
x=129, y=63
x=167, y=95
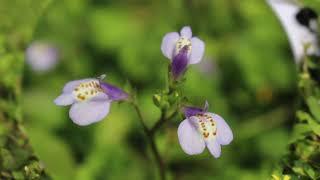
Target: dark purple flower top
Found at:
x=180, y=62
x=114, y=93
x=193, y=111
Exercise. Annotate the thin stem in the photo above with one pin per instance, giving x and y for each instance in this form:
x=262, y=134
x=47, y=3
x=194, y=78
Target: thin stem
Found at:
x=141, y=119
x=163, y=119
x=151, y=139
x=160, y=163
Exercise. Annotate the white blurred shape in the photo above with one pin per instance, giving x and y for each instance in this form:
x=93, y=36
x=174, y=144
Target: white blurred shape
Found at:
x=299, y=36
x=41, y=56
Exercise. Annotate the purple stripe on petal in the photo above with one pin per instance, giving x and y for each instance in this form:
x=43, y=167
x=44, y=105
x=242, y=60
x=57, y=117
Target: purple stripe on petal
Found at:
x=179, y=63
x=113, y=92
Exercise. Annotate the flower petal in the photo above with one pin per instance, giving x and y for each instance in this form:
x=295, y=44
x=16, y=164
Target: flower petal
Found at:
x=186, y=32
x=69, y=87
x=64, y=99
x=169, y=43
x=113, y=92
x=85, y=113
x=197, y=50
x=224, y=133
x=189, y=139
x=214, y=147
x=101, y=97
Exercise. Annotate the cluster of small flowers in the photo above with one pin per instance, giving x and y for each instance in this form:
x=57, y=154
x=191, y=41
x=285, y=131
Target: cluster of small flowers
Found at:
x=90, y=99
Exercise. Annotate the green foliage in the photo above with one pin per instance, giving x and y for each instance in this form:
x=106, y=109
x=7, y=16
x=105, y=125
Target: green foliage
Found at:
x=17, y=159
x=302, y=160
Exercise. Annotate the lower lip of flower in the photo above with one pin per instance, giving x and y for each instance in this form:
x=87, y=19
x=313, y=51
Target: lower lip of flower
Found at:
x=87, y=90
x=206, y=126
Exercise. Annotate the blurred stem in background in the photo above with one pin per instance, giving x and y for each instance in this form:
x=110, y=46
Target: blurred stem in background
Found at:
x=17, y=159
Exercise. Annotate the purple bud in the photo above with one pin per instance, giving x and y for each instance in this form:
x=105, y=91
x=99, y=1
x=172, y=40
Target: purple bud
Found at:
x=193, y=111
x=114, y=93
x=180, y=62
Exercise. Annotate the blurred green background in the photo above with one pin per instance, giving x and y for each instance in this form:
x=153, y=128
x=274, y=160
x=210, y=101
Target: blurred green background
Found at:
x=248, y=76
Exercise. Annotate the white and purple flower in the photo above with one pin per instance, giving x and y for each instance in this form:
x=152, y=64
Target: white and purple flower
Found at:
x=90, y=99
x=42, y=56
x=301, y=26
x=182, y=49
x=203, y=129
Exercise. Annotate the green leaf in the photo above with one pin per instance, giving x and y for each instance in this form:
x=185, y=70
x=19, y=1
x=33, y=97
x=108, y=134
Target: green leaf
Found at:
x=298, y=168
x=310, y=172
x=299, y=130
x=314, y=107
x=315, y=126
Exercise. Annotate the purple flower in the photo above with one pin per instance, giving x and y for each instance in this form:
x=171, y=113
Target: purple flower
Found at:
x=90, y=99
x=300, y=25
x=182, y=49
x=203, y=129
x=41, y=56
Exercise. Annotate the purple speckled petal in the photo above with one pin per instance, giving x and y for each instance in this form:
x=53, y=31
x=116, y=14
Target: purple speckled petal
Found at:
x=193, y=111
x=190, y=140
x=224, y=133
x=64, y=99
x=85, y=113
x=197, y=50
x=179, y=63
x=113, y=92
x=214, y=147
x=69, y=87
x=169, y=43
x=186, y=32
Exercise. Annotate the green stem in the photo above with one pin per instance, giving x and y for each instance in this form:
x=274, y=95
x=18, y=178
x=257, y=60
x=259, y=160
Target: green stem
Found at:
x=163, y=119
x=151, y=139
